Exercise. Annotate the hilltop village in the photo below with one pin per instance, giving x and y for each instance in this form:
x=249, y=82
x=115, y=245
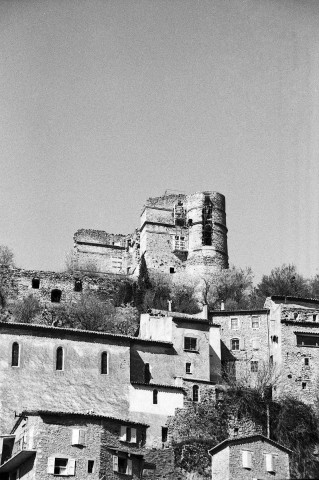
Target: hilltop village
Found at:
x=99, y=405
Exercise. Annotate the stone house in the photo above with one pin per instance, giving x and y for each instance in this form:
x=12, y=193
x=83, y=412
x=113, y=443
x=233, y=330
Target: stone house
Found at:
x=44, y=444
x=249, y=458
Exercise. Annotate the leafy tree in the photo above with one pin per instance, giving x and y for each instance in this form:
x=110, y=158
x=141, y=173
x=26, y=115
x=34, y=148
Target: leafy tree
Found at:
x=158, y=295
x=89, y=313
x=284, y=280
x=27, y=309
x=6, y=256
x=126, y=320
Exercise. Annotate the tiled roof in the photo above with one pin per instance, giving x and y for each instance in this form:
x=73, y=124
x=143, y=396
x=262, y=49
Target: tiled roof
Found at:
x=252, y=438
x=87, y=333
x=154, y=385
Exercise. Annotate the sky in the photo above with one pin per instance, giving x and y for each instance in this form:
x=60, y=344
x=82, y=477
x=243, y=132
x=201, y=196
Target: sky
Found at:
x=106, y=103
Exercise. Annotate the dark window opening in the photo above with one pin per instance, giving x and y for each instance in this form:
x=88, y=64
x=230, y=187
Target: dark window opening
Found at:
x=207, y=235
x=195, y=393
x=207, y=221
x=164, y=434
x=179, y=214
x=56, y=295
x=314, y=317
x=147, y=373
x=289, y=375
x=304, y=385
x=254, y=366
x=190, y=343
x=155, y=397
x=59, y=359
x=234, y=344
x=190, y=222
x=104, y=365
x=60, y=466
x=78, y=286
x=271, y=360
x=296, y=315
x=90, y=466
x=188, y=368
x=274, y=339
x=35, y=282
x=122, y=465
x=128, y=434
x=15, y=355
x=307, y=362
x=307, y=340
x=171, y=270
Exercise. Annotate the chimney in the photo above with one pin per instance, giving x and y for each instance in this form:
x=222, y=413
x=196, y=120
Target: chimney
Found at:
x=169, y=305
x=222, y=305
x=205, y=311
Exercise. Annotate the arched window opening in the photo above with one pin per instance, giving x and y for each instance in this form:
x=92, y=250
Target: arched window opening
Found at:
x=36, y=283
x=56, y=295
x=147, y=373
x=59, y=359
x=155, y=397
x=195, y=393
x=78, y=286
x=15, y=355
x=104, y=363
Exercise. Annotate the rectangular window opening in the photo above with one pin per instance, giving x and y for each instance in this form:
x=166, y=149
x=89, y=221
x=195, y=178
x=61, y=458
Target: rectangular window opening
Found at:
x=188, y=368
x=190, y=343
x=234, y=323
x=254, y=366
x=164, y=434
x=90, y=466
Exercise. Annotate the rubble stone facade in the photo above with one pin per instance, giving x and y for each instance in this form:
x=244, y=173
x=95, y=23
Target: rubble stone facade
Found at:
x=177, y=232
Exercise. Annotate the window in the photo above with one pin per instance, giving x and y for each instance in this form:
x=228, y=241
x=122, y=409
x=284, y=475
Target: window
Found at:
x=255, y=322
x=128, y=434
x=122, y=465
x=236, y=431
x=254, y=366
x=59, y=365
x=171, y=270
x=78, y=286
x=307, y=340
x=155, y=397
x=78, y=436
x=61, y=466
x=274, y=339
x=188, y=368
x=164, y=434
x=104, y=363
x=314, y=317
x=56, y=295
x=179, y=214
x=234, y=323
x=207, y=235
x=190, y=343
x=307, y=362
x=179, y=243
x=35, y=282
x=195, y=393
x=234, y=344
x=271, y=361
x=147, y=373
x=15, y=359
x=246, y=458
x=270, y=462
x=90, y=466
x=304, y=385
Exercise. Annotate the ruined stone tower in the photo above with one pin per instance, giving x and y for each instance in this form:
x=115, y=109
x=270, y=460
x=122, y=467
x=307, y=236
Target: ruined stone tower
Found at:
x=177, y=232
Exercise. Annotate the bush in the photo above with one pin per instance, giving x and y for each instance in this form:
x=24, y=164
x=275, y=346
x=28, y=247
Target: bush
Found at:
x=26, y=310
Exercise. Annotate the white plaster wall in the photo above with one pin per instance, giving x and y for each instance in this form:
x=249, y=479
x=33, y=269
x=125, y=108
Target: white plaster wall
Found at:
x=156, y=328
x=220, y=465
x=214, y=340
x=141, y=400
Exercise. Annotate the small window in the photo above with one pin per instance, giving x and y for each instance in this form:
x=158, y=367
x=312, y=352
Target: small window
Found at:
x=190, y=343
x=59, y=359
x=104, y=363
x=188, y=367
x=78, y=436
x=274, y=339
x=236, y=431
x=155, y=397
x=306, y=362
x=270, y=462
x=234, y=344
x=246, y=459
x=255, y=322
x=15, y=359
x=61, y=466
x=195, y=393
x=78, y=286
x=234, y=323
x=171, y=270
x=128, y=434
x=35, y=283
x=271, y=361
x=179, y=243
x=304, y=385
x=164, y=434
x=122, y=465
x=56, y=295
x=147, y=373
x=254, y=366
x=90, y=466
x=314, y=317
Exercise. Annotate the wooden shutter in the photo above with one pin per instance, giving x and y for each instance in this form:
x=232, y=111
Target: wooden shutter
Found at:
x=50, y=468
x=75, y=436
x=71, y=467
x=246, y=456
x=129, y=468
x=81, y=437
x=133, y=435
x=115, y=463
x=270, y=467
x=123, y=434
